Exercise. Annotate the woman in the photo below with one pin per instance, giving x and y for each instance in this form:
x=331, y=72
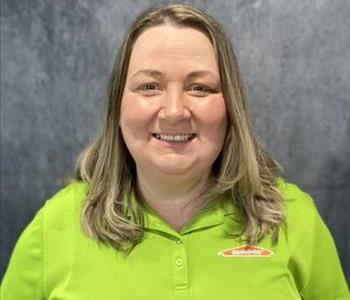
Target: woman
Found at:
x=175, y=199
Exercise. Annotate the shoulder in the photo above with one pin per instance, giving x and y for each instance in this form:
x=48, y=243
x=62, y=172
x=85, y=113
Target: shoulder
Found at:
x=76, y=190
x=61, y=229
x=300, y=208
x=301, y=212
x=67, y=199
x=296, y=201
x=311, y=246
x=63, y=208
x=38, y=252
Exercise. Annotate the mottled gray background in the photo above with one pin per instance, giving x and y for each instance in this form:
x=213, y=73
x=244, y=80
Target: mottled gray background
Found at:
x=56, y=57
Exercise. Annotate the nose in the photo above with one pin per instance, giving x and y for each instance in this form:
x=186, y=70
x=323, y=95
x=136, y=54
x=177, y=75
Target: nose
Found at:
x=174, y=106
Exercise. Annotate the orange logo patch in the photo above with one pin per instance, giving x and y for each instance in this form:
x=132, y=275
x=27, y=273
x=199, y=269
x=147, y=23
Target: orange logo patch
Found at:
x=246, y=251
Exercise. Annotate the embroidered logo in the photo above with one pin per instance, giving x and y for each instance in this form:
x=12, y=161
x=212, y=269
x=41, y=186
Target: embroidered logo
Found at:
x=246, y=251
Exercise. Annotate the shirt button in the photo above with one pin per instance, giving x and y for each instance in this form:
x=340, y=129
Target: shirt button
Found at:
x=178, y=261
x=178, y=241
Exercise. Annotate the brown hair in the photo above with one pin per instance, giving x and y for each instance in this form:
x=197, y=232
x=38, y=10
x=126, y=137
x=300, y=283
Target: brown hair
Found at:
x=243, y=169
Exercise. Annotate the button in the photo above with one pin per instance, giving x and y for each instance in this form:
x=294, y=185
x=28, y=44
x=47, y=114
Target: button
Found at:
x=179, y=261
x=178, y=241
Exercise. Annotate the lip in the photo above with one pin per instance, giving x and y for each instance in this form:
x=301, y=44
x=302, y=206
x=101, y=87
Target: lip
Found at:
x=171, y=133
x=194, y=135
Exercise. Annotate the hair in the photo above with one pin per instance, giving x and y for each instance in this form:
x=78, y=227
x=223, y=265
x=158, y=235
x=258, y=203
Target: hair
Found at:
x=244, y=170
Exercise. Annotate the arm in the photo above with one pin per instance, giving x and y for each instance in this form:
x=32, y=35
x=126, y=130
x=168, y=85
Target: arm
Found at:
x=24, y=276
x=326, y=279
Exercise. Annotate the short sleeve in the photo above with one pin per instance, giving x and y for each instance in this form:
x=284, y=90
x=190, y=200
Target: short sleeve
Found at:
x=24, y=276
x=326, y=279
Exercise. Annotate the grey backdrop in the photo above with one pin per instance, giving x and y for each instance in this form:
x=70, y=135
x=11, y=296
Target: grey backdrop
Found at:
x=56, y=57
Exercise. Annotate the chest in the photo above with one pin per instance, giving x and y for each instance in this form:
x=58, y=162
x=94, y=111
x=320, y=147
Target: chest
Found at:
x=189, y=267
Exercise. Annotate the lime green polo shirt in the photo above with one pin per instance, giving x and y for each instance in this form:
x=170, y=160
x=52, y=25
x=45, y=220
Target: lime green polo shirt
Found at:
x=54, y=259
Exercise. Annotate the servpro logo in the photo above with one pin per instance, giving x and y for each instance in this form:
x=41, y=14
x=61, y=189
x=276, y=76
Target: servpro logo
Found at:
x=246, y=251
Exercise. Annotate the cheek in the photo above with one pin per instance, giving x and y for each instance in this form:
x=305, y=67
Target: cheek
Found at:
x=134, y=116
x=213, y=116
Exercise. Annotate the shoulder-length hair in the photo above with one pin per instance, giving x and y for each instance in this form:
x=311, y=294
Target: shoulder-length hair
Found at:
x=243, y=169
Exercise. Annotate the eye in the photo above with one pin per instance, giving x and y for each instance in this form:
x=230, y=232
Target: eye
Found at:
x=200, y=89
x=148, y=88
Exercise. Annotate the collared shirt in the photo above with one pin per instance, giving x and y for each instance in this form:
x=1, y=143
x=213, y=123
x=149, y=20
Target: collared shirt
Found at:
x=54, y=259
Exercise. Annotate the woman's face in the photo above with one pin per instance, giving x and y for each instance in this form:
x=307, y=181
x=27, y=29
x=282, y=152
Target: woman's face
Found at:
x=173, y=115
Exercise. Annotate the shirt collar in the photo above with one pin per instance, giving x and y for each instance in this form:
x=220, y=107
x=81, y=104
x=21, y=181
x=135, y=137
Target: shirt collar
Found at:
x=213, y=216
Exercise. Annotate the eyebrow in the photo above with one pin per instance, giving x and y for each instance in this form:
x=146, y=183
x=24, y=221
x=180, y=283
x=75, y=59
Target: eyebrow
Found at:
x=157, y=74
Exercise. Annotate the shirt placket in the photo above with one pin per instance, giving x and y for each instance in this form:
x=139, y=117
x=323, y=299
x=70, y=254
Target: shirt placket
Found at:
x=180, y=263
x=179, y=259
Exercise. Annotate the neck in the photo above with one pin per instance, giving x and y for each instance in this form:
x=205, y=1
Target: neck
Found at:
x=173, y=195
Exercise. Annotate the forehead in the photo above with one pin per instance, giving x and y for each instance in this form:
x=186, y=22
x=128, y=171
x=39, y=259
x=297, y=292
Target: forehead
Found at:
x=176, y=46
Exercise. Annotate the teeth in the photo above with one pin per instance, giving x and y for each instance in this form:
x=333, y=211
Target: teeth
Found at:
x=175, y=137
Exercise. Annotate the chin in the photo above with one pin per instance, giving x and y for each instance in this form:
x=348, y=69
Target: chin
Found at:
x=174, y=168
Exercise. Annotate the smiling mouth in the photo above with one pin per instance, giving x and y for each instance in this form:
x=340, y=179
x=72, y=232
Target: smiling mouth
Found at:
x=177, y=138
